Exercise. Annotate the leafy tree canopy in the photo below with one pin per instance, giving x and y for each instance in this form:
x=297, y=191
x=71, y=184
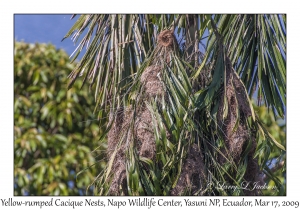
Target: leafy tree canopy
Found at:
x=53, y=128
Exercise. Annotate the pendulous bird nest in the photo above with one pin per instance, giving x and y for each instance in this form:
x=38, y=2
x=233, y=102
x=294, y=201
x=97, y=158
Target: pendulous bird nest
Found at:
x=166, y=38
x=142, y=130
x=193, y=176
x=233, y=127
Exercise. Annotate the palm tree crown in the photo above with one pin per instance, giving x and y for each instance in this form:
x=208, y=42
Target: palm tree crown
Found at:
x=173, y=94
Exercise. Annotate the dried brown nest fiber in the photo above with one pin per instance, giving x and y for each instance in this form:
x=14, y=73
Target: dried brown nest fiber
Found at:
x=117, y=137
x=193, y=175
x=151, y=80
x=142, y=132
x=234, y=128
x=166, y=38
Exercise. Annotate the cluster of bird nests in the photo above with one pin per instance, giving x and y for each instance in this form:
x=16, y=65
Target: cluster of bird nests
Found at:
x=234, y=128
x=121, y=131
x=192, y=175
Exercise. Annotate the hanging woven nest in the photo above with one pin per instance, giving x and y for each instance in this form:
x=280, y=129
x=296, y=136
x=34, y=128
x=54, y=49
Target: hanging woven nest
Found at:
x=166, y=38
x=142, y=132
x=234, y=126
x=193, y=175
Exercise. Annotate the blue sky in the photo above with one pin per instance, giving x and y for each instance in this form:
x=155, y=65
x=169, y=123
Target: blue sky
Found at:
x=44, y=29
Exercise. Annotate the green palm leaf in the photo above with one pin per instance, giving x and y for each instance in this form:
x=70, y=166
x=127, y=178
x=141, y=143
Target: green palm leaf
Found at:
x=208, y=75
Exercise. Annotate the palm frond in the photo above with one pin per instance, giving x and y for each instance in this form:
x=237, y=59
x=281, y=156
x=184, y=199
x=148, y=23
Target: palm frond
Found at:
x=208, y=79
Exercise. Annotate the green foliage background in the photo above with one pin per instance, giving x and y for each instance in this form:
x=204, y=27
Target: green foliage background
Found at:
x=55, y=130
x=277, y=128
